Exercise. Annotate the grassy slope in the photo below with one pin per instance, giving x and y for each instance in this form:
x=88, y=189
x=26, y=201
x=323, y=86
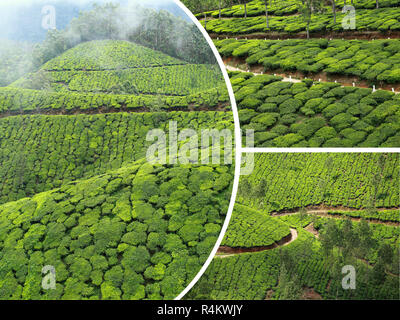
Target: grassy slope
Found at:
x=52, y=150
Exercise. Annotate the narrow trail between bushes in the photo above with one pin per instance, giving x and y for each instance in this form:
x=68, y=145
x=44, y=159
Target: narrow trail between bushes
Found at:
x=298, y=76
x=323, y=212
x=286, y=79
x=225, y=252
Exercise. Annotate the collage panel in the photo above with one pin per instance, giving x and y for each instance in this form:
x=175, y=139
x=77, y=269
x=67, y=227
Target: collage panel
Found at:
x=312, y=73
x=117, y=156
x=311, y=226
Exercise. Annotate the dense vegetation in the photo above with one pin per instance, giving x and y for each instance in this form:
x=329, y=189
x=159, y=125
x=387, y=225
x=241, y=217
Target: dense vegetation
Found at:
x=313, y=263
x=112, y=75
x=249, y=228
x=382, y=20
x=139, y=232
x=109, y=55
x=287, y=7
x=289, y=272
x=307, y=114
x=20, y=101
x=376, y=61
x=293, y=181
x=53, y=150
x=77, y=190
x=110, y=66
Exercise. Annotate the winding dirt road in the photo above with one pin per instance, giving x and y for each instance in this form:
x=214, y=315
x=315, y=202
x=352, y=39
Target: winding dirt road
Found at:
x=225, y=252
x=230, y=68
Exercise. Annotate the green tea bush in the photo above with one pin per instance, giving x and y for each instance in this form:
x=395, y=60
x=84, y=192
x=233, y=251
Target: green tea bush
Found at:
x=264, y=230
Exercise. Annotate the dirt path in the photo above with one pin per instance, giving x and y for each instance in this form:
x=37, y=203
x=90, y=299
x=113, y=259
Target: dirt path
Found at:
x=225, y=252
x=323, y=212
x=286, y=79
x=346, y=81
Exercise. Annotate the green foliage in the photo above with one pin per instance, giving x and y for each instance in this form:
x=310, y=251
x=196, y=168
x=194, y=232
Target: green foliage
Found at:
x=284, y=114
x=382, y=20
x=67, y=148
x=375, y=61
x=348, y=181
x=103, y=254
x=250, y=228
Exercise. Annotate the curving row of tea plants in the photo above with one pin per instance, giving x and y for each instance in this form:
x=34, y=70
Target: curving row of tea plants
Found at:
x=287, y=7
x=22, y=101
x=180, y=80
x=286, y=273
x=382, y=20
x=313, y=262
x=141, y=232
x=99, y=75
x=307, y=114
x=374, y=61
x=109, y=55
x=53, y=150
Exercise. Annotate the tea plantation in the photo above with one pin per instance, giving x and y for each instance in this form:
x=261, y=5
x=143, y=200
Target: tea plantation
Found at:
x=377, y=62
x=315, y=114
x=53, y=150
x=111, y=75
x=302, y=192
x=77, y=192
x=140, y=232
x=285, y=18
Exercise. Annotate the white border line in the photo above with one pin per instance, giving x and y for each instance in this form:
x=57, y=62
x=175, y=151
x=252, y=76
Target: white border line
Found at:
x=238, y=145
x=321, y=150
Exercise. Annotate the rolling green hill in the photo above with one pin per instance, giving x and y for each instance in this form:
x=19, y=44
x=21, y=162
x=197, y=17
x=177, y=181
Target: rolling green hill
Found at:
x=120, y=67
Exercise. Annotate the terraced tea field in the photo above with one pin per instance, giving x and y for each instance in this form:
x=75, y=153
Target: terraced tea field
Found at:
x=339, y=88
x=315, y=114
x=322, y=197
